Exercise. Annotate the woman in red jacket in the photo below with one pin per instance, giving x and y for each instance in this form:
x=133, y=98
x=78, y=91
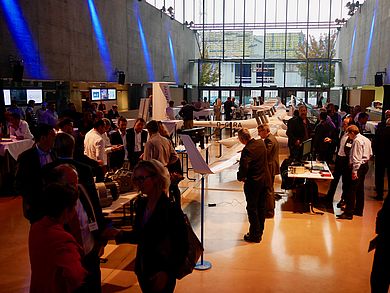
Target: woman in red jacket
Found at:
x=55, y=256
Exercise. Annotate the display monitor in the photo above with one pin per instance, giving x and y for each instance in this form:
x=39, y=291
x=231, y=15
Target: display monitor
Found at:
x=306, y=149
x=7, y=97
x=95, y=94
x=103, y=94
x=35, y=95
x=18, y=95
x=112, y=94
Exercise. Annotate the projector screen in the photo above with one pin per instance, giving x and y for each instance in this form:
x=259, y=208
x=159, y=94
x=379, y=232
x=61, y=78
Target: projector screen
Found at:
x=7, y=97
x=35, y=95
x=103, y=94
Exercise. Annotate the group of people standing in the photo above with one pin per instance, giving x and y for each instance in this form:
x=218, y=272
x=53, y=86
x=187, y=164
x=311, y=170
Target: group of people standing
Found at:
x=353, y=152
x=259, y=163
x=68, y=230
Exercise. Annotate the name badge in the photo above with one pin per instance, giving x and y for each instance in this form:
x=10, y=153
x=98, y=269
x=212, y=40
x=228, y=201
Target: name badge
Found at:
x=348, y=145
x=93, y=226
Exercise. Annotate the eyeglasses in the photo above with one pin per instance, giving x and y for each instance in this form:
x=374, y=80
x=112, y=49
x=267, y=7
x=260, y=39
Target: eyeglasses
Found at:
x=141, y=179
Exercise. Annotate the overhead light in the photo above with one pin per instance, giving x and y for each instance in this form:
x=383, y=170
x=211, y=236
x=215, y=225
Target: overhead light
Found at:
x=352, y=7
x=340, y=21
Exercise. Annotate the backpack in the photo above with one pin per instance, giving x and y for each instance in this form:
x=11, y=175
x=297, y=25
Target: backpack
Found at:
x=193, y=252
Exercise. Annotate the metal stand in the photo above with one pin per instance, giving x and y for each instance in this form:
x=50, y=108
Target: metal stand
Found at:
x=203, y=264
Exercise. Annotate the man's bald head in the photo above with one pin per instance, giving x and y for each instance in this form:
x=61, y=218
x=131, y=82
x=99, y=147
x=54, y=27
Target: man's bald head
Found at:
x=63, y=174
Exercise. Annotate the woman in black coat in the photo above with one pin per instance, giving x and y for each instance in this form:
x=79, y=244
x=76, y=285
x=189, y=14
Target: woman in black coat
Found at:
x=159, y=230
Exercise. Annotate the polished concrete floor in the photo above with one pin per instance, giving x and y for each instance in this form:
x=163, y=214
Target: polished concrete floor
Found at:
x=298, y=253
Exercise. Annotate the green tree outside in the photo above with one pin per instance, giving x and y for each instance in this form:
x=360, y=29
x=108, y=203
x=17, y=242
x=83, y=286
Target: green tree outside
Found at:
x=318, y=70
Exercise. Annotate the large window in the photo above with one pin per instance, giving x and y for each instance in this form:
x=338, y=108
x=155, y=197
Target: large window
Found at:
x=263, y=43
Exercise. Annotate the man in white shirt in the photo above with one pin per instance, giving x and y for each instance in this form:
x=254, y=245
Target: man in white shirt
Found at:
x=94, y=145
x=360, y=154
x=19, y=128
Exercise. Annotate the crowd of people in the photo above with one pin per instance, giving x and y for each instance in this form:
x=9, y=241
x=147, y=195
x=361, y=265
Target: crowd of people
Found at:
x=348, y=139
x=69, y=232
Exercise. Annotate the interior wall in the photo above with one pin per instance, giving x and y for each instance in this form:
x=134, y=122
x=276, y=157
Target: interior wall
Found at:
x=63, y=31
x=363, y=44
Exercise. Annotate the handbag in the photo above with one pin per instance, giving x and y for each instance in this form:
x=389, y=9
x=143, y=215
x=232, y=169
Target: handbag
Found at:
x=193, y=252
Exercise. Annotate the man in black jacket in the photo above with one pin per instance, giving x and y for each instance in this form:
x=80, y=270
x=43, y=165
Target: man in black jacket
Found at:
x=380, y=274
x=272, y=147
x=135, y=141
x=298, y=130
x=253, y=171
x=118, y=138
x=28, y=175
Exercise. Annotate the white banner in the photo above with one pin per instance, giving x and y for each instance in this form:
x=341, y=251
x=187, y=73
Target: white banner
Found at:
x=161, y=97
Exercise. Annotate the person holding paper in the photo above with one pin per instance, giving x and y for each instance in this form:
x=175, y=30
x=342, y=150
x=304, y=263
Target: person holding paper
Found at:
x=254, y=172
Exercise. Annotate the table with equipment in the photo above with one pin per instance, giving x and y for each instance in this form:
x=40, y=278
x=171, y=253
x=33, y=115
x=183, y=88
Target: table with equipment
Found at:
x=311, y=171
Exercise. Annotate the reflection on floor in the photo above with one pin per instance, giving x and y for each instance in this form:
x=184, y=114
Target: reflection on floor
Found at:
x=298, y=253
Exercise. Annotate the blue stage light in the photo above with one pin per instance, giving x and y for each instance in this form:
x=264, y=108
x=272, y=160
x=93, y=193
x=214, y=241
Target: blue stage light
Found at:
x=173, y=59
x=23, y=39
x=145, y=49
x=352, y=47
x=368, y=52
x=101, y=41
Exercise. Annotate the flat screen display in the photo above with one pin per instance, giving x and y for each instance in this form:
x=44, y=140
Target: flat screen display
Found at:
x=35, y=95
x=95, y=94
x=18, y=95
x=7, y=97
x=103, y=94
x=112, y=94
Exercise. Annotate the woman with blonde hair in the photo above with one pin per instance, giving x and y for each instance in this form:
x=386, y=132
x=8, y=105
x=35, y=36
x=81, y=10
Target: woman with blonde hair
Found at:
x=158, y=230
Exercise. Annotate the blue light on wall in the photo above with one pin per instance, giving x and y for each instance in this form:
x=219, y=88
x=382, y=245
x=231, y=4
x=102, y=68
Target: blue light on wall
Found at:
x=145, y=49
x=23, y=39
x=368, y=52
x=101, y=41
x=173, y=59
x=352, y=47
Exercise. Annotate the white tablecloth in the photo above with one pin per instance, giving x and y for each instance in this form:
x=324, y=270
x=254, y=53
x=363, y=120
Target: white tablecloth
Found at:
x=15, y=147
x=371, y=126
x=203, y=113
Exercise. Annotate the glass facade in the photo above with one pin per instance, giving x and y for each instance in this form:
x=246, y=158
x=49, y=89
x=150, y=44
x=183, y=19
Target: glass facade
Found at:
x=268, y=47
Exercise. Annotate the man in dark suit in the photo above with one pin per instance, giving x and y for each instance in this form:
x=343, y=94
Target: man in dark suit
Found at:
x=135, y=139
x=227, y=106
x=298, y=130
x=89, y=207
x=380, y=274
x=113, y=113
x=272, y=147
x=28, y=177
x=253, y=171
x=118, y=137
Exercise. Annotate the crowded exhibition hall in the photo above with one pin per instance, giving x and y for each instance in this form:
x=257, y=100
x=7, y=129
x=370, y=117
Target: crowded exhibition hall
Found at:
x=194, y=146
